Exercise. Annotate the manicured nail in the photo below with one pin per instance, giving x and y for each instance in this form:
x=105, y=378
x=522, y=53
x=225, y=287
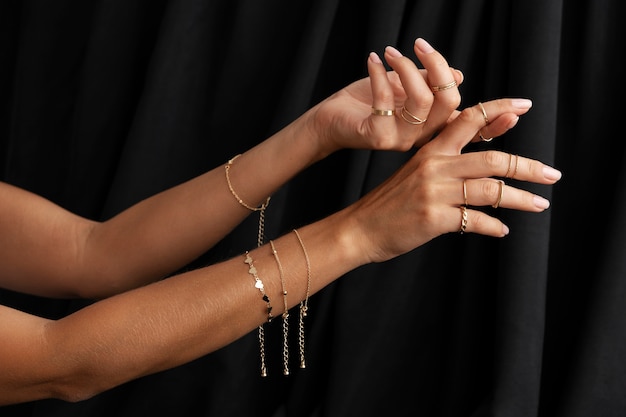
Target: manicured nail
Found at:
x=375, y=58
x=393, y=51
x=551, y=174
x=541, y=202
x=458, y=71
x=522, y=103
x=423, y=46
x=505, y=230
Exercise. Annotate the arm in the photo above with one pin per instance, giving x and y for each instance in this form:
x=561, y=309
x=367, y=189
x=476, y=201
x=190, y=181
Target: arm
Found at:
x=174, y=321
x=47, y=251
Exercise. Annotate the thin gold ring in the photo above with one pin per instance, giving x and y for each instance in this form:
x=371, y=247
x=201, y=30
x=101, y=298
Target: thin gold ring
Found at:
x=482, y=109
x=414, y=119
x=497, y=203
x=443, y=87
x=464, y=193
x=508, y=169
x=379, y=112
x=463, y=219
x=516, y=165
x=484, y=139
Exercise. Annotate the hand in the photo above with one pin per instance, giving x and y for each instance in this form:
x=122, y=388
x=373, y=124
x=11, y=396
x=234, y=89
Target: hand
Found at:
x=345, y=119
x=424, y=198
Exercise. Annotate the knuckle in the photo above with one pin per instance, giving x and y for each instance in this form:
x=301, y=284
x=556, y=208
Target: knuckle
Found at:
x=491, y=189
x=450, y=101
x=495, y=160
x=468, y=115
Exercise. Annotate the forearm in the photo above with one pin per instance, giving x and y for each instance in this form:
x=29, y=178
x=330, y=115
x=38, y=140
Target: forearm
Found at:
x=178, y=319
x=168, y=230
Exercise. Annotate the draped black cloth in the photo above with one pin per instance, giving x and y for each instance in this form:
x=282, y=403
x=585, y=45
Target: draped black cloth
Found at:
x=106, y=102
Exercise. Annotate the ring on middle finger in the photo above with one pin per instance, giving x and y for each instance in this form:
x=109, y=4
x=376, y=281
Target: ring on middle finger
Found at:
x=410, y=117
x=464, y=193
x=497, y=203
x=436, y=88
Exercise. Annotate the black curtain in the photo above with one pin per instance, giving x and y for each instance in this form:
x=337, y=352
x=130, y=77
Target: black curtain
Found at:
x=106, y=102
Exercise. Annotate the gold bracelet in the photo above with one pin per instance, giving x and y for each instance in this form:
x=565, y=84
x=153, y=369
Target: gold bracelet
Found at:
x=260, y=209
x=285, y=313
x=304, y=304
x=259, y=284
x=232, y=190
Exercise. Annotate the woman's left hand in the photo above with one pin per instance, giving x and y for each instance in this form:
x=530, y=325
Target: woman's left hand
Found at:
x=391, y=110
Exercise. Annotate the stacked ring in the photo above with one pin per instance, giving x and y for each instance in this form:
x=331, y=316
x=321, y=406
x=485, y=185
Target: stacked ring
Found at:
x=414, y=120
x=443, y=87
x=509, y=167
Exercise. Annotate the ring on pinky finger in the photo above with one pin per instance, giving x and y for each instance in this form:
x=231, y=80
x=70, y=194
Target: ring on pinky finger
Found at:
x=463, y=219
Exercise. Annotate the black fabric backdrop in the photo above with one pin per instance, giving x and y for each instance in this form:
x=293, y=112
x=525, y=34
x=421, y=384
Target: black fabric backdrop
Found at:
x=106, y=102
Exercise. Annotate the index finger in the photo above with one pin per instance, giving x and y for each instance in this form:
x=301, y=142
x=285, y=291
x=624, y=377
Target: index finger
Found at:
x=459, y=132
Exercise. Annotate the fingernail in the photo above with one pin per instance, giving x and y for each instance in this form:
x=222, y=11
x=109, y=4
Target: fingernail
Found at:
x=505, y=230
x=423, y=46
x=522, y=103
x=552, y=174
x=375, y=58
x=460, y=74
x=541, y=202
x=392, y=51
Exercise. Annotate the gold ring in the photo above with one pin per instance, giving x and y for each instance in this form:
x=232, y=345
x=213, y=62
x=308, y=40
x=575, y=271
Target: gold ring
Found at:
x=414, y=119
x=508, y=169
x=484, y=139
x=464, y=193
x=497, y=204
x=516, y=164
x=443, y=87
x=379, y=112
x=482, y=108
x=463, y=219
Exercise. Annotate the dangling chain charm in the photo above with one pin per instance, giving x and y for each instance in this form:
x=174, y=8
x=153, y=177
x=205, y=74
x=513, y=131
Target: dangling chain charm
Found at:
x=304, y=304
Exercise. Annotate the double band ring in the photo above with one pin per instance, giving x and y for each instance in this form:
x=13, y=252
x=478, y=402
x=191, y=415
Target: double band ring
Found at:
x=463, y=219
x=410, y=117
x=482, y=109
x=497, y=203
x=379, y=112
x=508, y=170
x=443, y=87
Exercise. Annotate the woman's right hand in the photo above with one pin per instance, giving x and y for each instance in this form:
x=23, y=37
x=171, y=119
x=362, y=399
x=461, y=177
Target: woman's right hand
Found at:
x=426, y=197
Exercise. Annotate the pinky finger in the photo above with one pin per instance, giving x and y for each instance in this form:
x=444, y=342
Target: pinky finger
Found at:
x=475, y=221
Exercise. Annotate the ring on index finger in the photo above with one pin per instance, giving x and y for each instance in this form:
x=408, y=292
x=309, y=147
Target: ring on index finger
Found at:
x=484, y=139
x=482, y=109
